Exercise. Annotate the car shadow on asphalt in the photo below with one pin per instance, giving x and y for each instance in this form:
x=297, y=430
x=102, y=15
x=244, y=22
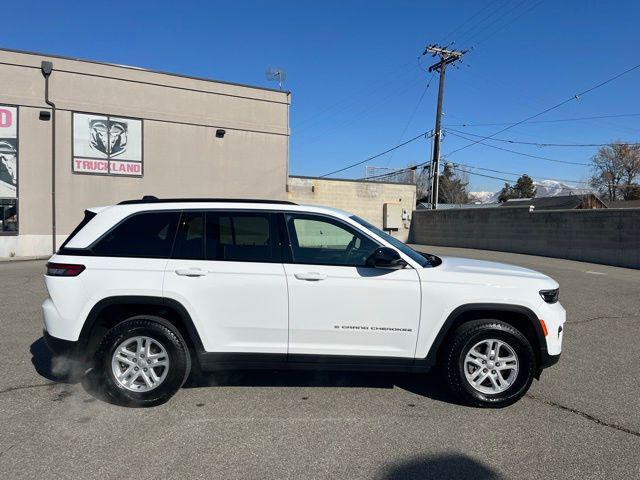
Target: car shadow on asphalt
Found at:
x=441, y=467
x=428, y=385
x=62, y=370
x=43, y=361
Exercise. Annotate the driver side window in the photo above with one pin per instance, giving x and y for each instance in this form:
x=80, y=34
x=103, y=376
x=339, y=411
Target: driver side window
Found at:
x=324, y=241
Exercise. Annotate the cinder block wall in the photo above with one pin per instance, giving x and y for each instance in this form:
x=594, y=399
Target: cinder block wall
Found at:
x=607, y=236
x=362, y=198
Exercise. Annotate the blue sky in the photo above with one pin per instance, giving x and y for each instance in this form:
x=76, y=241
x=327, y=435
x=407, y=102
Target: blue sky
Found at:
x=352, y=68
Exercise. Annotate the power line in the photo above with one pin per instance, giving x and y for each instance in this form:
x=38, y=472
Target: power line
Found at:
x=573, y=119
x=483, y=9
x=503, y=26
x=540, y=144
x=481, y=140
x=504, y=179
x=413, y=114
x=516, y=174
x=558, y=105
x=352, y=99
x=423, y=134
x=505, y=12
x=520, y=153
x=472, y=30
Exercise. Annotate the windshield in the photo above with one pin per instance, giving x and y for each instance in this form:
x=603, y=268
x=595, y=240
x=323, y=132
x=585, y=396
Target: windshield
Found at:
x=424, y=260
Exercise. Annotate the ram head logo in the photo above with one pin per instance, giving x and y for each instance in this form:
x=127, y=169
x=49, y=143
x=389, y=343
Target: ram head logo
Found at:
x=108, y=137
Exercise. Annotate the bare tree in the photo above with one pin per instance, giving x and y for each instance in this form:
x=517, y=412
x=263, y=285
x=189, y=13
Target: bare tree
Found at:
x=423, y=186
x=616, y=168
x=453, y=185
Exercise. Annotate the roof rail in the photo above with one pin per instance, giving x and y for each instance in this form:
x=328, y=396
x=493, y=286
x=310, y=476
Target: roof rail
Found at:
x=152, y=199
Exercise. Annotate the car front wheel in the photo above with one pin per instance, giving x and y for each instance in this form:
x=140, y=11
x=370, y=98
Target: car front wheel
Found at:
x=489, y=363
x=143, y=361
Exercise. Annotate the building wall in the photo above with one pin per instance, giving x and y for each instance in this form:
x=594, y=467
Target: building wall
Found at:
x=607, y=236
x=181, y=155
x=365, y=199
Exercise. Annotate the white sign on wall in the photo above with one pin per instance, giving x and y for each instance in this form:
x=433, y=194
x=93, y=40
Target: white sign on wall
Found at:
x=106, y=145
x=8, y=151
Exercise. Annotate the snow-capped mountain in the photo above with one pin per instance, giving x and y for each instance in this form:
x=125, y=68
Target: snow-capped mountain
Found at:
x=484, y=197
x=544, y=188
x=553, y=188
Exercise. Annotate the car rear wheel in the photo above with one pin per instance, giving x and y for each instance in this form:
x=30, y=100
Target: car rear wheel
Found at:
x=143, y=361
x=489, y=363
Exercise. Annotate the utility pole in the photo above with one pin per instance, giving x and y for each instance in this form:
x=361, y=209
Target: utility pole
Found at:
x=446, y=57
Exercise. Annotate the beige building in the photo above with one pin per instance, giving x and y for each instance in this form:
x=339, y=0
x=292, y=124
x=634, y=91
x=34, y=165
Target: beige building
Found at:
x=386, y=205
x=75, y=134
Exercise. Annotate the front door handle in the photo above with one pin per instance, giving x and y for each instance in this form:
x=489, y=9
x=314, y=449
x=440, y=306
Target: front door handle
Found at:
x=310, y=276
x=191, y=272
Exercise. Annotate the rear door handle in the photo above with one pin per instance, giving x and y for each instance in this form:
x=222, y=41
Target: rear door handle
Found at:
x=310, y=276
x=191, y=272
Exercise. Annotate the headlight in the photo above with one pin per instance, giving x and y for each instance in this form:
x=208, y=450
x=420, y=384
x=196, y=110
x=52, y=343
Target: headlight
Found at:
x=550, y=296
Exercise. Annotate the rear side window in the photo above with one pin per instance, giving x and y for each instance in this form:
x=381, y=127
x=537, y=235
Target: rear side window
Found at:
x=241, y=237
x=227, y=236
x=190, y=239
x=148, y=235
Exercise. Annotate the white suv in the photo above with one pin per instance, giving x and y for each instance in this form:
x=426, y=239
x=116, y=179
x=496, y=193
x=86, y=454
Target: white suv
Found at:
x=147, y=290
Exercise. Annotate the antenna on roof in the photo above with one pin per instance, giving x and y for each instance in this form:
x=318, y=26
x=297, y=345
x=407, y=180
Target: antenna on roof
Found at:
x=276, y=74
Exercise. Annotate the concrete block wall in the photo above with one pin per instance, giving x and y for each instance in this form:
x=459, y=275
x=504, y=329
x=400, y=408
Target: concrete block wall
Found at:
x=365, y=199
x=606, y=236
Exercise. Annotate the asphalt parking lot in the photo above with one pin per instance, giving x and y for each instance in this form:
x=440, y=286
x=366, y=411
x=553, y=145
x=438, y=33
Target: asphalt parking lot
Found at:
x=582, y=420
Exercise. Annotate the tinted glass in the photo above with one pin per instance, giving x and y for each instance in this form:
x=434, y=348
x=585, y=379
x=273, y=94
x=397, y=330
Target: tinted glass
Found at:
x=240, y=237
x=189, y=243
x=324, y=241
x=147, y=235
x=411, y=253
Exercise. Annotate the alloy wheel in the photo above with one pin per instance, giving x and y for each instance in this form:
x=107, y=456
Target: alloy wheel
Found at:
x=491, y=366
x=140, y=364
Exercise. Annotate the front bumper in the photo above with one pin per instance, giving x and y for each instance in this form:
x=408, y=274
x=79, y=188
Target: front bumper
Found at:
x=547, y=360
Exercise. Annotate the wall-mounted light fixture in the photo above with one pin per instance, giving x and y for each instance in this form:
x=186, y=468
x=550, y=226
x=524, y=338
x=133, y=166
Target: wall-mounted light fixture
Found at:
x=220, y=133
x=46, y=68
x=45, y=115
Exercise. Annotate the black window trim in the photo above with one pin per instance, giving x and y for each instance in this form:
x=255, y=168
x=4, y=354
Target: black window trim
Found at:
x=279, y=226
x=330, y=217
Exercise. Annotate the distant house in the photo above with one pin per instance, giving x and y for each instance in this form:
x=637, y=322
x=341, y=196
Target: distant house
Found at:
x=450, y=206
x=561, y=202
x=624, y=204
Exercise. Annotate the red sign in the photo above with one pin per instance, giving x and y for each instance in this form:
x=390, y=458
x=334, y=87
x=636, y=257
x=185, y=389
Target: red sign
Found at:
x=114, y=167
x=119, y=167
x=6, y=118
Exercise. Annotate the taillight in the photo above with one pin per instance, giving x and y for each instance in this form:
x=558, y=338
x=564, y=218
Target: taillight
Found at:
x=64, y=269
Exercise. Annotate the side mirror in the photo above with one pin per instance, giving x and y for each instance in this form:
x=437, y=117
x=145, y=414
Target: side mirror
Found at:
x=385, y=257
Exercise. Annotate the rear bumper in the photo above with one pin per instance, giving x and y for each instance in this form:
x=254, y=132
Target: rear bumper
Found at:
x=58, y=346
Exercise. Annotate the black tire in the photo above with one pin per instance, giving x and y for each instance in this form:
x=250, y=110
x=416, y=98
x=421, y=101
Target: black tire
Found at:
x=159, y=330
x=468, y=335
